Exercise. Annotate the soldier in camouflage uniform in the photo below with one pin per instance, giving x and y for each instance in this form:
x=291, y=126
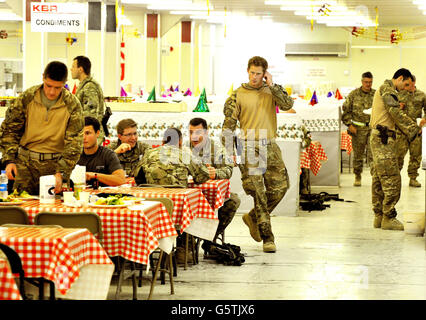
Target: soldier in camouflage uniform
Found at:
x=253, y=106
x=386, y=179
x=171, y=163
x=128, y=149
x=414, y=101
x=219, y=164
x=42, y=133
x=357, y=121
x=89, y=92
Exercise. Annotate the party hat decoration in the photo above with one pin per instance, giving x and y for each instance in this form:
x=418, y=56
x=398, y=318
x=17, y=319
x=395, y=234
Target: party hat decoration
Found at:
x=123, y=92
x=329, y=94
x=177, y=88
x=187, y=93
x=74, y=89
x=231, y=90
x=338, y=96
x=67, y=87
x=151, y=96
x=202, y=103
x=314, y=99
x=171, y=88
x=308, y=94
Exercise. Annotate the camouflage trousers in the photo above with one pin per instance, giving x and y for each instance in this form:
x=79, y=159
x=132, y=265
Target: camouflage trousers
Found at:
x=415, y=147
x=227, y=212
x=360, y=143
x=30, y=171
x=386, y=179
x=267, y=181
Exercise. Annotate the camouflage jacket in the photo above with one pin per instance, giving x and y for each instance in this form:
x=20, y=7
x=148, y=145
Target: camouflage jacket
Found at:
x=130, y=159
x=214, y=154
x=91, y=97
x=281, y=99
x=389, y=95
x=356, y=102
x=13, y=128
x=415, y=102
x=167, y=165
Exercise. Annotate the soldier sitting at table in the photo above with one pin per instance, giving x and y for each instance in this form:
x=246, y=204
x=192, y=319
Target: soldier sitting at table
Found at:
x=171, y=164
x=219, y=164
x=101, y=163
x=127, y=147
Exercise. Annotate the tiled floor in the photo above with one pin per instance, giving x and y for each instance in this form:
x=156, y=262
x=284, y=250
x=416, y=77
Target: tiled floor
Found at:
x=330, y=254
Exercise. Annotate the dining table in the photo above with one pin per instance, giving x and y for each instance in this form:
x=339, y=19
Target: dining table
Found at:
x=71, y=258
x=132, y=231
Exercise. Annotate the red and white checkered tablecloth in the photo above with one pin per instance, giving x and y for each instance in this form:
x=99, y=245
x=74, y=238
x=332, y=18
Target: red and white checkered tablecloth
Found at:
x=215, y=191
x=131, y=234
x=346, y=142
x=8, y=288
x=189, y=204
x=55, y=254
x=312, y=156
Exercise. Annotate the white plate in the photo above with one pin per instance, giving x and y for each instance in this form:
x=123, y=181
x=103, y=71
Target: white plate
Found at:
x=107, y=205
x=11, y=203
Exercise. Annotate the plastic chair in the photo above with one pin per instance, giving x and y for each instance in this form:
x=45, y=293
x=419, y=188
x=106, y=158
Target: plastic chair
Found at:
x=89, y=220
x=13, y=214
x=16, y=266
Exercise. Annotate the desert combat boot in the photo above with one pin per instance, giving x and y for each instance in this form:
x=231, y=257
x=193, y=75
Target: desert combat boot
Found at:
x=391, y=224
x=357, y=182
x=378, y=220
x=414, y=183
x=254, y=229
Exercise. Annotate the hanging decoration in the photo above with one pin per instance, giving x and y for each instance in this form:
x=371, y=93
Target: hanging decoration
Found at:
x=395, y=36
x=324, y=10
x=3, y=34
x=71, y=40
x=312, y=15
x=389, y=34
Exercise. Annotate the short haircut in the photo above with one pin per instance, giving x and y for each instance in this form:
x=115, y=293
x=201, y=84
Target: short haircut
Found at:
x=413, y=77
x=56, y=71
x=90, y=121
x=85, y=63
x=405, y=73
x=197, y=121
x=172, y=136
x=124, y=124
x=367, y=74
x=258, y=62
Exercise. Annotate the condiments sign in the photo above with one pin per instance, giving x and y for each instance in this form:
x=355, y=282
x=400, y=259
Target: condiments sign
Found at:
x=58, y=17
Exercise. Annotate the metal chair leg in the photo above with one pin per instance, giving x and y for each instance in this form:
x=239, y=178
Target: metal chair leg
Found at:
x=172, y=285
x=134, y=280
x=154, y=279
x=120, y=265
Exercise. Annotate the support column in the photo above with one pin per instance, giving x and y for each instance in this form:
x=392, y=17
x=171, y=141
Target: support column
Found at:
x=186, y=65
x=111, y=63
x=95, y=41
x=34, y=50
x=153, y=53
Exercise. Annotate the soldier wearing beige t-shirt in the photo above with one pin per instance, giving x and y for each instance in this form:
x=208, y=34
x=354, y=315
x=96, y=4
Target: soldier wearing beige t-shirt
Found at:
x=263, y=173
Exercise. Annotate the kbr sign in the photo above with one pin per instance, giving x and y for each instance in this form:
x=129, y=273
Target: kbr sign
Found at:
x=58, y=17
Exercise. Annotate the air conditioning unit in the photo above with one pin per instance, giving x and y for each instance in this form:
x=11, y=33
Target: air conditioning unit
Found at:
x=316, y=50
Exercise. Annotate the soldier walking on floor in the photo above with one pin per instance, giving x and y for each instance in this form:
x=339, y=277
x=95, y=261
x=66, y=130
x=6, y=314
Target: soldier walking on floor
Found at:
x=386, y=179
x=357, y=122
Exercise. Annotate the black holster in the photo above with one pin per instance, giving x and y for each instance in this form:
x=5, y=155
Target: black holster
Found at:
x=385, y=133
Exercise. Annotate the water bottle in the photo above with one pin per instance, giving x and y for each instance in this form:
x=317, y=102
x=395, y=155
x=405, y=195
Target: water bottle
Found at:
x=3, y=184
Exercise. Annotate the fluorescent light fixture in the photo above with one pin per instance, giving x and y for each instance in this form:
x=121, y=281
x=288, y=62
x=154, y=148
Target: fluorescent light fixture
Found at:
x=157, y=2
x=9, y=16
x=178, y=7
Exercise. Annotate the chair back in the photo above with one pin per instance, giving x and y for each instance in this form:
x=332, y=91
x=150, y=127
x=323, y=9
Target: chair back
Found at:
x=89, y=220
x=13, y=214
x=14, y=259
x=168, y=203
x=15, y=225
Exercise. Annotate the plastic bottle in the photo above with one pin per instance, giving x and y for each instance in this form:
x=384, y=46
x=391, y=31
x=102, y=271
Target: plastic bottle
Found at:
x=3, y=184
